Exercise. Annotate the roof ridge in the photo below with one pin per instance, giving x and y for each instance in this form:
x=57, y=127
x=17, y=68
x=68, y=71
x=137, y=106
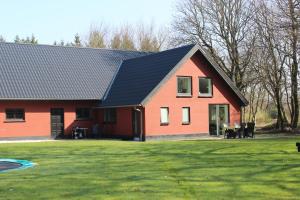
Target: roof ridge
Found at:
x=75, y=47
x=164, y=51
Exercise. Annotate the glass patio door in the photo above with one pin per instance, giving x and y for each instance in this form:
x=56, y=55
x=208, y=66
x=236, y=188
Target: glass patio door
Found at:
x=218, y=116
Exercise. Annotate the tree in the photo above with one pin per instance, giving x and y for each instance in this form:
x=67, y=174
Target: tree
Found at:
x=17, y=39
x=77, y=40
x=62, y=43
x=2, y=38
x=33, y=40
x=127, y=38
x=116, y=41
x=123, y=38
x=288, y=17
x=150, y=40
x=96, y=38
x=27, y=40
x=223, y=28
x=270, y=60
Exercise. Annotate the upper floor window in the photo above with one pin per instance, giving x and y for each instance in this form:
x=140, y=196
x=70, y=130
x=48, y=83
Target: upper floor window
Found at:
x=110, y=115
x=205, y=87
x=184, y=86
x=17, y=114
x=83, y=113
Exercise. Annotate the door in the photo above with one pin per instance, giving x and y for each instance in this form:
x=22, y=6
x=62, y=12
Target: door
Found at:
x=136, y=123
x=57, y=122
x=218, y=116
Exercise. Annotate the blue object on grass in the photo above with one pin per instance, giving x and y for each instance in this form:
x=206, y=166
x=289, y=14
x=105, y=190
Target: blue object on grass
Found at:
x=13, y=164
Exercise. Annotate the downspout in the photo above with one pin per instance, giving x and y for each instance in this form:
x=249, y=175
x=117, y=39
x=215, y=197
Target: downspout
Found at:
x=141, y=122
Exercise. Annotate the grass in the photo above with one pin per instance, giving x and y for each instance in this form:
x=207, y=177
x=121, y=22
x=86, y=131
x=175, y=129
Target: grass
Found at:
x=223, y=169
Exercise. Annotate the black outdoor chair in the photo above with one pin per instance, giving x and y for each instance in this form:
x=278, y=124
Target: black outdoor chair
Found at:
x=230, y=133
x=241, y=130
x=249, y=131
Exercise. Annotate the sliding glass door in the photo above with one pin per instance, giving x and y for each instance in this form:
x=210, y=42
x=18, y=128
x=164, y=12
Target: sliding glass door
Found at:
x=218, y=116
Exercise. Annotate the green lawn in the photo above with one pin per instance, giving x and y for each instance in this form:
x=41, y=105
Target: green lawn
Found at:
x=223, y=169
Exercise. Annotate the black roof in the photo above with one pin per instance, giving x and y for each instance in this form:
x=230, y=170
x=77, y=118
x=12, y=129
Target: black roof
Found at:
x=57, y=73
x=116, y=77
x=139, y=78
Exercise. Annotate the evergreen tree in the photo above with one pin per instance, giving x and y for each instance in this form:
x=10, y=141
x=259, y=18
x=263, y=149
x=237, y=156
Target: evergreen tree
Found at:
x=2, y=39
x=17, y=39
x=62, y=43
x=77, y=41
x=27, y=40
x=33, y=40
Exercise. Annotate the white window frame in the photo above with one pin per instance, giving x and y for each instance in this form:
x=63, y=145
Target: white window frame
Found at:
x=162, y=120
x=210, y=94
x=188, y=94
x=184, y=121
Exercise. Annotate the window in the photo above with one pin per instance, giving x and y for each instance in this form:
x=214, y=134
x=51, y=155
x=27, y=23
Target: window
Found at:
x=110, y=115
x=205, y=87
x=184, y=86
x=15, y=114
x=83, y=113
x=186, y=115
x=164, y=115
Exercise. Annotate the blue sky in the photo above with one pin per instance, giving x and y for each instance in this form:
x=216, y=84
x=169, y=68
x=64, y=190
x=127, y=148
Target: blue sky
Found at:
x=51, y=20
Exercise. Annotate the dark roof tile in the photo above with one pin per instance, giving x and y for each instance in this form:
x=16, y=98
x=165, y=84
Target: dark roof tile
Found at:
x=139, y=76
x=58, y=73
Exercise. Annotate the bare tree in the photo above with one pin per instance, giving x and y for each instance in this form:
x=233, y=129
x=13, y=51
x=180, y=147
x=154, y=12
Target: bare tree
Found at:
x=224, y=28
x=96, y=38
x=288, y=17
x=127, y=36
x=123, y=38
x=150, y=39
x=116, y=41
x=270, y=60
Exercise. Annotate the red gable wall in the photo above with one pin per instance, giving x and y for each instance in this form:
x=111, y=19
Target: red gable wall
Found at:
x=199, y=107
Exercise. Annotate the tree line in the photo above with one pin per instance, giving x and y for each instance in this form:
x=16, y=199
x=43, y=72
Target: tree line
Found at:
x=256, y=42
x=128, y=37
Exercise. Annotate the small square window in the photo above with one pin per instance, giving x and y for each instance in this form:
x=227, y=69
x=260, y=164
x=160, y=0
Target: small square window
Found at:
x=17, y=114
x=83, y=113
x=110, y=115
x=186, y=115
x=184, y=86
x=205, y=87
x=164, y=115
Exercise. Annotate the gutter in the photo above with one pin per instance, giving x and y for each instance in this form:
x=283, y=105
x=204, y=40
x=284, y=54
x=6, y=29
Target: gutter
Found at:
x=141, y=122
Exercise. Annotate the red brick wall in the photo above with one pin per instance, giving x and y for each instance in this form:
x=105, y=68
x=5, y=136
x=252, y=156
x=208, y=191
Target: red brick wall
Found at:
x=166, y=97
x=123, y=125
x=37, y=117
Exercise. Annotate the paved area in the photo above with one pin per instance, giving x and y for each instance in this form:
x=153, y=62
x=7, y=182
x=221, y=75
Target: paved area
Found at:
x=25, y=141
x=205, y=137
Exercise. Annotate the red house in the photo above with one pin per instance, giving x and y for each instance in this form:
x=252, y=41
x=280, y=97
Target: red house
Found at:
x=46, y=91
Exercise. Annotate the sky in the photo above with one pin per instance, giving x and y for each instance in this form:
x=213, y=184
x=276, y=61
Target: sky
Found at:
x=56, y=20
